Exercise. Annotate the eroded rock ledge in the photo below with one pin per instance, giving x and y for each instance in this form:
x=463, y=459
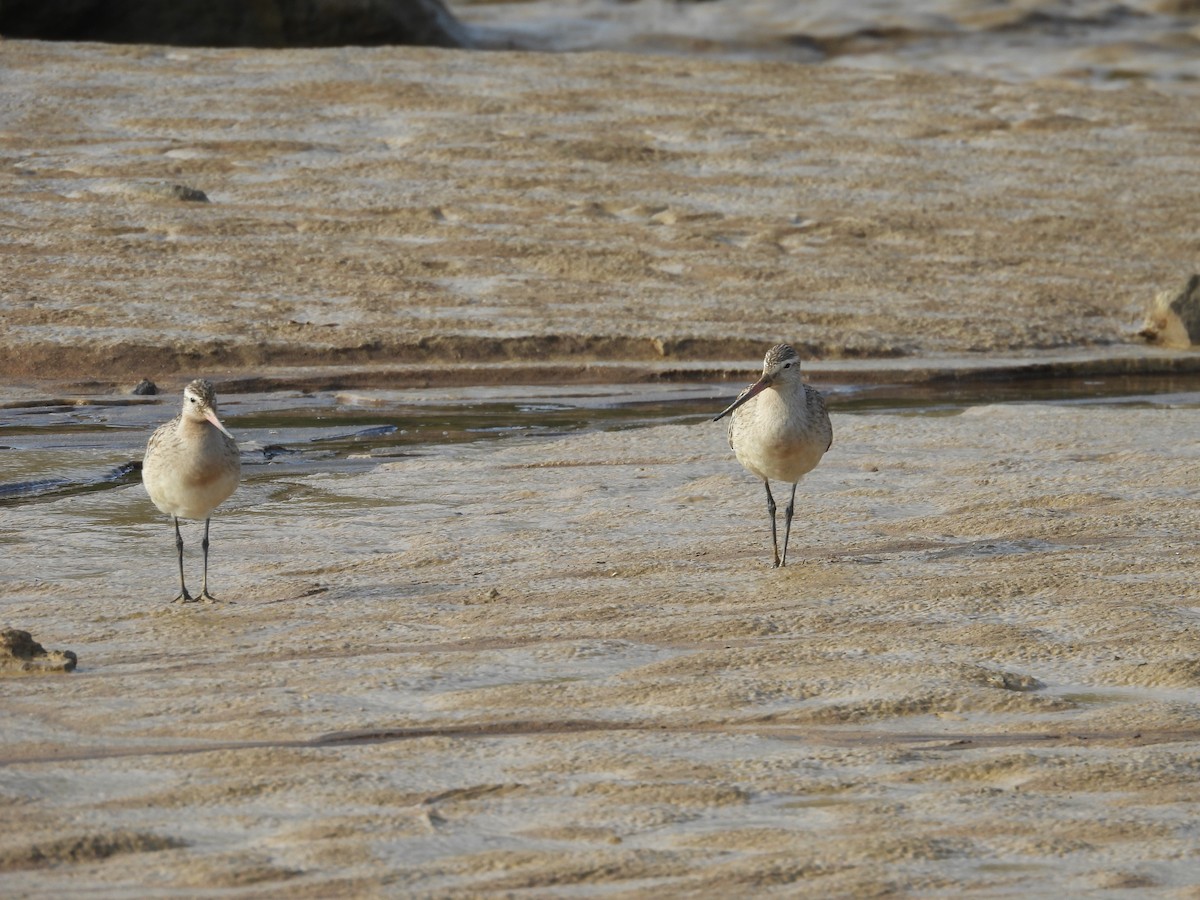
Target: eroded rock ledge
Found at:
x=21, y=654
x=236, y=23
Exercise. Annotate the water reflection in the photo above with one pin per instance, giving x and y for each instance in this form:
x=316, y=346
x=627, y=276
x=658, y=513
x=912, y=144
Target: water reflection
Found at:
x=63, y=447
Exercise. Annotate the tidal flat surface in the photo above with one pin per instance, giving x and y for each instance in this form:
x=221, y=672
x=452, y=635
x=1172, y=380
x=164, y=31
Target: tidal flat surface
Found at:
x=475, y=216
x=560, y=661
x=550, y=657
x=1096, y=42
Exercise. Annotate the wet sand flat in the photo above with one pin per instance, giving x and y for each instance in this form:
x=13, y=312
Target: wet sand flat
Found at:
x=435, y=207
x=565, y=665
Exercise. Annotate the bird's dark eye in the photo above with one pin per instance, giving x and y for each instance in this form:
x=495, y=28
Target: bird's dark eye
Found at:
x=787, y=365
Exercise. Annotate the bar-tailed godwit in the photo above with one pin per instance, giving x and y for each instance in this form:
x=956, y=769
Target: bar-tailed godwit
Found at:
x=191, y=466
x=779, y=429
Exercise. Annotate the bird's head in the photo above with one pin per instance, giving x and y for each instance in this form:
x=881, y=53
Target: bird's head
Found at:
x=781, y=365
x=200, y=404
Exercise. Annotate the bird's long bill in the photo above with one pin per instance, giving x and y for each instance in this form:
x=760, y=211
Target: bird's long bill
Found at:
x=753, y=391
x=212, y=417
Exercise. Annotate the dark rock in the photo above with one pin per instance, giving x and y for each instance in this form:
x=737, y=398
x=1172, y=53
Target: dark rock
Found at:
x=236, y=23
x=145, y=388
x=19, y=652
x=183, y=192
x=1013, y=681
x=153, y=190
x=1173, y=317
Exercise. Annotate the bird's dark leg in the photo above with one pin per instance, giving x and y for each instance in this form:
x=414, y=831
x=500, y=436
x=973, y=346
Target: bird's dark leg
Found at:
x=184, y=596
x=204, y=594
x=771, y=513
x=787, y=527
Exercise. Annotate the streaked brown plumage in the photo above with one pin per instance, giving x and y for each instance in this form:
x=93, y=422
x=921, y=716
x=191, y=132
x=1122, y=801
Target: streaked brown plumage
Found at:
x=191, y=466
x=779, y=429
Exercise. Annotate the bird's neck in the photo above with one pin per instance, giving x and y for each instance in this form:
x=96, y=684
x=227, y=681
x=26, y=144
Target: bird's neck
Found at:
x=789, y=388
x=195, y=428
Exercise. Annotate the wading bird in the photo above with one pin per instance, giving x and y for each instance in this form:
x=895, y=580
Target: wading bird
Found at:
x=779, y=429
x=191, y=466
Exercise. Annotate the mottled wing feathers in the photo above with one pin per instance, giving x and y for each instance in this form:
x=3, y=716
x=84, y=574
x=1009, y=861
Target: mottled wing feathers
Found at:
x=161, y=434
x=816, y=402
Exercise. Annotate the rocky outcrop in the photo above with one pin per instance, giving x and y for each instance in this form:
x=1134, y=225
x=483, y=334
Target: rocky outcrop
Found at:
x=236, y=23
x=20, y=653
x=1173, y=317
